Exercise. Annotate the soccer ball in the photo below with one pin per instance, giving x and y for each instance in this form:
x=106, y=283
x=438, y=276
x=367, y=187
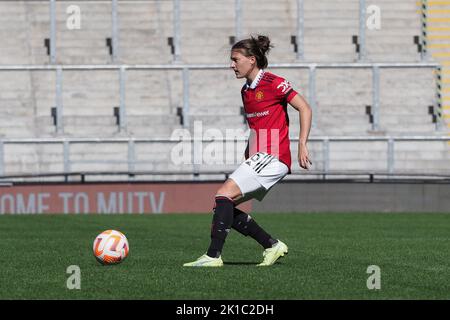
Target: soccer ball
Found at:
x=110, y=247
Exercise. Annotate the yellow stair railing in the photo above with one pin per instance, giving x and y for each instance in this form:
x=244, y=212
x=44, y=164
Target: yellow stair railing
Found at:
x=435, y=17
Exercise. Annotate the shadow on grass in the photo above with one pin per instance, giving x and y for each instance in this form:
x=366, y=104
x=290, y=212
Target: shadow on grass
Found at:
x=233, y=263
x=247, y=263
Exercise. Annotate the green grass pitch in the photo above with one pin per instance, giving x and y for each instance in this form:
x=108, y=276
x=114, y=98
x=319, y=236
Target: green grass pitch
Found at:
x=328, y=257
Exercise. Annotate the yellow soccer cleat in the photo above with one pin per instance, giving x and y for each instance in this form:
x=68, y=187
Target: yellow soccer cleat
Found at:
x=271, y=255
x=205, y=261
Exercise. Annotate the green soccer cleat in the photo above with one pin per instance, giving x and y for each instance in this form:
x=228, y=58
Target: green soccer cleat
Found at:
x=271, y=255
x=205, y=261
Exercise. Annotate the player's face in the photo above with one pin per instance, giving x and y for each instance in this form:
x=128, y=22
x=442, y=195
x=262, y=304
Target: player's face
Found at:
x=242, y=65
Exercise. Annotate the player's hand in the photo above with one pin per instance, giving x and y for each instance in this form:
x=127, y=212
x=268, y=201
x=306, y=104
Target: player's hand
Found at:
x=303, y=156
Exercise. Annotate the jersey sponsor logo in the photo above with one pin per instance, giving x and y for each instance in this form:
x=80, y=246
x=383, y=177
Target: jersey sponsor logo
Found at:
x=259, y=95
x=257, y=114
x=285, y=85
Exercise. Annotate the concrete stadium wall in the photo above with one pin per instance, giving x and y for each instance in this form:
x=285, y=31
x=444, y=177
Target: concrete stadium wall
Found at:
x=356, y=197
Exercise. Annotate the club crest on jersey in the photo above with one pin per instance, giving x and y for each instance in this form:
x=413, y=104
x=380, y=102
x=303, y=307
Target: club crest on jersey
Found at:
x=259, y=95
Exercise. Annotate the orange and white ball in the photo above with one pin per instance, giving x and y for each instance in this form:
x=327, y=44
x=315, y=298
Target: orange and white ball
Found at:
x=111, y=247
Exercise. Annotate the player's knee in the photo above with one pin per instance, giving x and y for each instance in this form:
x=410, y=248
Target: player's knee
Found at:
x=228, y=191
x=224, y=192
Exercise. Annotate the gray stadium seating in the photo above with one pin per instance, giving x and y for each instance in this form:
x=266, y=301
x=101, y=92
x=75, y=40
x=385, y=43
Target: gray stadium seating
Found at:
x=153, y=97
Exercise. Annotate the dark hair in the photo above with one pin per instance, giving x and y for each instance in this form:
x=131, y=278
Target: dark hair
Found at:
x=257, y=47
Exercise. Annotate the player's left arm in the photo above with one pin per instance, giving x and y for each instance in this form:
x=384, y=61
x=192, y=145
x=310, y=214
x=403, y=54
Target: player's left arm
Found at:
x=305, y=115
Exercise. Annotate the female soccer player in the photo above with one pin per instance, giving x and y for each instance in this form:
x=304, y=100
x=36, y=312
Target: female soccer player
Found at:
x=268, y=156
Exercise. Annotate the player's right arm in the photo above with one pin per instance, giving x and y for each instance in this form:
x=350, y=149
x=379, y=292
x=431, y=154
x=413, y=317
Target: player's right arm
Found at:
x=283, y=91
x=300, y=104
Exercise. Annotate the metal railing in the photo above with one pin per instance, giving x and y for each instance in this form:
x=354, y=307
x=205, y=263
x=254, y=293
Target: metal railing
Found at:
x=424, y=30
x=362, y=31
x=176, y=30
x=300, y=34
x=131, y=157
x=52, y=31
x=238, y=19
x=186, y=68
x=238, y=12
x=115, y=31
x=238, y=31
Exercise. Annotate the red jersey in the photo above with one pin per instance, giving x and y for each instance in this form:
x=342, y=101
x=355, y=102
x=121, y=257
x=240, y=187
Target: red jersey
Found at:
x=265, y=104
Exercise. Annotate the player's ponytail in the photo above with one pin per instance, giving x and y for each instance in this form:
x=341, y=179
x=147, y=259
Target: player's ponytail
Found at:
x=263, y=43
x=257, y=47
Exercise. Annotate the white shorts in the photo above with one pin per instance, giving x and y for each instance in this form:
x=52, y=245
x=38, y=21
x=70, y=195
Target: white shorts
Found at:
x=256, y=175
